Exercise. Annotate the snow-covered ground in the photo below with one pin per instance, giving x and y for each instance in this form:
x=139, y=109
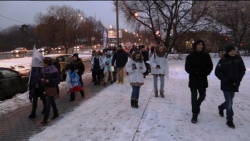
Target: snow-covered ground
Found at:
x=109, y=116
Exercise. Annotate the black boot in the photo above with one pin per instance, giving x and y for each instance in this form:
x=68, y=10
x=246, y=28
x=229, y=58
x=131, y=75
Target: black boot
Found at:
x=72, y=97
x=230, y=124
x=156, y=93
x=136, y=103
x=132, y=102
x=32, y=115
x=45, y=119
x=221, y=113
x=194, y=118
x=55, y=114
x=82, y=93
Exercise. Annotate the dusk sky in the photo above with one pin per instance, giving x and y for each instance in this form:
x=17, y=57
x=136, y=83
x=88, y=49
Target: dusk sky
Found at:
x=23, y=12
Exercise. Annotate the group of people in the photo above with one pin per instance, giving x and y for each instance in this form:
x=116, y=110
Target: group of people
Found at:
x=111, y=63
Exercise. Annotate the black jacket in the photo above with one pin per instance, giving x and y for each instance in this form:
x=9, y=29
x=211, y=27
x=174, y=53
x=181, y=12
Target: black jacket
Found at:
x=145, y=55
x=77, y=65
x=198, y=65
x=121, y=58
x=230, y=71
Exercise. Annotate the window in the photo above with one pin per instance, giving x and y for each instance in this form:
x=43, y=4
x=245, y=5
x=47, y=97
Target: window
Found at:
x=8, y=73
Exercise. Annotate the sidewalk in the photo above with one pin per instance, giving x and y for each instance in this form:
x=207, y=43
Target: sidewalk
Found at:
x=109, y=116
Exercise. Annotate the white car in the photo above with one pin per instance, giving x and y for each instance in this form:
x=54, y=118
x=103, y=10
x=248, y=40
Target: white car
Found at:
x=19, y=50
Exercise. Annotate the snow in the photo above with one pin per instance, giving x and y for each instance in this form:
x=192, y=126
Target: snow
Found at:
x=109, y=116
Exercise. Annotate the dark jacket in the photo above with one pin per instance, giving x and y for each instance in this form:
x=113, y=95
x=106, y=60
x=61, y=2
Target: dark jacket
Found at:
x=198, y=65
x=57, y=65
x=145, y=55
x=51, y=73
x=77, y=65
x=230, y=71
x=121, y=58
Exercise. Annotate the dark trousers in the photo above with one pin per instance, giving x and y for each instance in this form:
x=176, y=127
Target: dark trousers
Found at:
x=228, y=105
x=35, y=99
x=57, y=89
x=135, y=92
x=72, y=95
x=114, y=74
x=196, y=103
x=50, y=101
x=97, y=76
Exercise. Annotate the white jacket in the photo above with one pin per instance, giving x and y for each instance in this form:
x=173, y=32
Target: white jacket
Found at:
x=162, y=61
x=135, y=76
x=100, y=62
x=108, y=67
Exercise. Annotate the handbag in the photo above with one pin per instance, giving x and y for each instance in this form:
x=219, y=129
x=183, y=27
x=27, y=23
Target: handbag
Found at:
x=50, y=91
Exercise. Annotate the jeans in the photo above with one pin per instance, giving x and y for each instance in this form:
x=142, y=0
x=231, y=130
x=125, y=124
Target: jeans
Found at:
x=196, y=103
x=156, y=82
x=228, y=105
x=50, y=101
x=135, y=92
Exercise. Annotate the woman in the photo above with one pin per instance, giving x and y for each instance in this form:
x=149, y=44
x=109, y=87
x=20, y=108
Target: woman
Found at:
x=159, y=68
x=135, y=67
x=50, y=78
x=108, y=72
x=96, y=63
x=230, y=71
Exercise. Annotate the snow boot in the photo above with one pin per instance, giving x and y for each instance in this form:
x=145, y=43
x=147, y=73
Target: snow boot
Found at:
x=161, y=93
x=221, y=113
x=55, y=114
x=136, y=103
x=82, y=93
x=194, y=118
x=132, y=103
x=45, y=119
x=156, y=93
x=230, y=124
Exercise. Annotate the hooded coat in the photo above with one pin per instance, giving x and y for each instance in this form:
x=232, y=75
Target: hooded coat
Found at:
x=230, y=71
x=198, y=65
x=121, y=58
x=77, y=65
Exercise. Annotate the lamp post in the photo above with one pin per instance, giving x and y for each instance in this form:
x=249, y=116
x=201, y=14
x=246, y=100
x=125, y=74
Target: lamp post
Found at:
x=117, y=24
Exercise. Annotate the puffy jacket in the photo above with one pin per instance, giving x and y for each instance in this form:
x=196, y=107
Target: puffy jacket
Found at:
x=135, y=76
x=51, y=73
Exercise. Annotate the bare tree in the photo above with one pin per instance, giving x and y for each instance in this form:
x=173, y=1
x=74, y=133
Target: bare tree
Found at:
x=61, y=25
x=238, y=20
x=166, y=20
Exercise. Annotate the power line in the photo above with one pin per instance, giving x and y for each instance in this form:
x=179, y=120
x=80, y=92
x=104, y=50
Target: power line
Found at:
x=11, y=19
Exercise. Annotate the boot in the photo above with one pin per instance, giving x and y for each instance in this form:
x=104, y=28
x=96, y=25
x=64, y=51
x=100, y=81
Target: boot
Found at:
x=104, y=84
x=194, y=118
x=121, y=81
x=156, y=93
x=55, y=114
x=132, y=102
x=45, y=119
x=136, y=103
x=72, y=97
x=82, y=93
x=161, y=93
x=230, y=124
x=221, y=113
x=32, y=115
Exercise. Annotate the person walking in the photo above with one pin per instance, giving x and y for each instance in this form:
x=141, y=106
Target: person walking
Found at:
x=77, y=66
x=121, y=58
x=230, y=71
x=145, y=55
x=108, y=72
x=57, y=65
x=159, y=68
x=198, y=65
x=49, y=79
x=135, y=67
x=97, y=65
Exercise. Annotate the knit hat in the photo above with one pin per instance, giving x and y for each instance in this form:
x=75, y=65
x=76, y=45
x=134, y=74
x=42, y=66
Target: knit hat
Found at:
x=229, y=48
x=76, y=55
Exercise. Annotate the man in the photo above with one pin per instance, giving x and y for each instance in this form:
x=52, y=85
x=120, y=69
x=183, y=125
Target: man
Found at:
x=230, y=71
x=145, y=55
x=121, y=59
x=78, y=66
x=57, y=65
x=198, y=65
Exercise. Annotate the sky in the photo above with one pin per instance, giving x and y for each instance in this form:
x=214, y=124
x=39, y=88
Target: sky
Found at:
x=108, y=115
x=25, y=11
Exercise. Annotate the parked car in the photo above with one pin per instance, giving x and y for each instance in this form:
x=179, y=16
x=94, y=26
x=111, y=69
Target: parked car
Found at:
x=78, y=47
x=60, y=48
x=44, y=49
x=11, y=83
x=19, y=50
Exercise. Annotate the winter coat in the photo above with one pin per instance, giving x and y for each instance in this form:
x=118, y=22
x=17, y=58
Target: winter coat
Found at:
x=145, y=55
x=77, y=65
x=51, y=73
x=121, y=59
x=162, y=61
x=230, y=71
x=198, y=65
x=107, y=63
x=97, y=64
x=136, y=77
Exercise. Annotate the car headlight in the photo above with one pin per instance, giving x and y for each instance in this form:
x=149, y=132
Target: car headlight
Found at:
x=42, y=49
x=16, y=51
x=59, y=48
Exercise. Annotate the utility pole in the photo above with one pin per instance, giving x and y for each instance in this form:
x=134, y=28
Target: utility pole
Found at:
x=117, y=23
